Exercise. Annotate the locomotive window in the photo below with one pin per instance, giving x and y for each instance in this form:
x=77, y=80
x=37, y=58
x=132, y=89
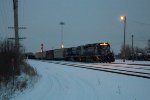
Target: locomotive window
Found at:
x=105, y=47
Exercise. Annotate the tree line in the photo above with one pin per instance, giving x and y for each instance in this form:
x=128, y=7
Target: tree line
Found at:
x=135, y=53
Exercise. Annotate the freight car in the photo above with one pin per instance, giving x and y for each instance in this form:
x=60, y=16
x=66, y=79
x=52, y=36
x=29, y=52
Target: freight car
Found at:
x=97, y=52
x=49, y=55
x=40, y=55
x=59, y=54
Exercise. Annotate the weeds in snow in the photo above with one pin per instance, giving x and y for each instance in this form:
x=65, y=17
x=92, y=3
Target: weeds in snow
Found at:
x=13, y=86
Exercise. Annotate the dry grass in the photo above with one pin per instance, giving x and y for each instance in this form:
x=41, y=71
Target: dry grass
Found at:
x=10, y=80
x=27, y=69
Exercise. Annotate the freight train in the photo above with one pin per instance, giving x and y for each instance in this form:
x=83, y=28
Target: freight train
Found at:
x=96, y=52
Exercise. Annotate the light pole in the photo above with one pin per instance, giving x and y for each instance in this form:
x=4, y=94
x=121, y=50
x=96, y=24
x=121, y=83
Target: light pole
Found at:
x=132, y=50
x=62, y=44
x=123, y=18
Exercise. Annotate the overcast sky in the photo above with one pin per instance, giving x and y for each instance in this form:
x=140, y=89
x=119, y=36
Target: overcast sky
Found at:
x=86, y=21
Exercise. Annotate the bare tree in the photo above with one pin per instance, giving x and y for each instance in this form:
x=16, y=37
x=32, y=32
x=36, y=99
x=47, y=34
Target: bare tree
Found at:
x=128, y=51
x=148, y=45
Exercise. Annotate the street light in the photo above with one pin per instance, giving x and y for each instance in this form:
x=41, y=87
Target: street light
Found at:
x=123, y=18
x=62, y=44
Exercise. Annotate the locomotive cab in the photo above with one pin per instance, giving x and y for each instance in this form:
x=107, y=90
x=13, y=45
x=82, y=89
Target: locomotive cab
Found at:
x=104, y=53
x=103, y=48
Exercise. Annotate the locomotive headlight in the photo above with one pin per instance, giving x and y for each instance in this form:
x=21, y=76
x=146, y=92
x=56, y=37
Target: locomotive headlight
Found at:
x=103, y=44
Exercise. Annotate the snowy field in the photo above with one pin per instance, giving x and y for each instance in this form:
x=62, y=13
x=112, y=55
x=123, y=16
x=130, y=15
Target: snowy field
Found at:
x=133, y=62
x=61, y=82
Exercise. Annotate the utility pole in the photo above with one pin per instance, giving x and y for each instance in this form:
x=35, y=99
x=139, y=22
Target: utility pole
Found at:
x=132, y=50
x=15, y=7
x=15, y=61
x=17, y=38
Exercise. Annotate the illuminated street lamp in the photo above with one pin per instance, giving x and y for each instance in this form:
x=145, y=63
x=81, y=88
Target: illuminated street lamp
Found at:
x=123, y=18
x=62, y=44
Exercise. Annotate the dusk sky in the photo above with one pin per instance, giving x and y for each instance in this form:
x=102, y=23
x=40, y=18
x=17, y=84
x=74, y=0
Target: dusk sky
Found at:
x=86, y=21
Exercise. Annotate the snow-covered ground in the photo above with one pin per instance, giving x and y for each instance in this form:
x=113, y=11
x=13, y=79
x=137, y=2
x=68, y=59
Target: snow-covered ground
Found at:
x=61, y=82
x=132, y=62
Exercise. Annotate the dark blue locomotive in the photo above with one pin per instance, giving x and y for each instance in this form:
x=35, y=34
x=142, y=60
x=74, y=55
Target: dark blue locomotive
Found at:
x=97, y=52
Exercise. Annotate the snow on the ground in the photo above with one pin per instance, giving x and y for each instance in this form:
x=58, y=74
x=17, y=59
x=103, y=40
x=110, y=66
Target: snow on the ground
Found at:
x=132, y=62
x=61, y=82
x=121, y=67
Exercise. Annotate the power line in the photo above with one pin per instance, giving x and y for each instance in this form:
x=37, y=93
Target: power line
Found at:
x=138, y=22
x=142, y=23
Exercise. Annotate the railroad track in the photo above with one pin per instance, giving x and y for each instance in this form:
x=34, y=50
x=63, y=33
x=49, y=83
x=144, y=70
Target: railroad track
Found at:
x=112, y=69
x=128, y=66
